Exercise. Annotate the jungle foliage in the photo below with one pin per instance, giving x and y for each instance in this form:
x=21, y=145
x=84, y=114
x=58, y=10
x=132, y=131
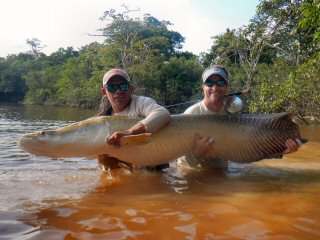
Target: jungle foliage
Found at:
x=276, y=56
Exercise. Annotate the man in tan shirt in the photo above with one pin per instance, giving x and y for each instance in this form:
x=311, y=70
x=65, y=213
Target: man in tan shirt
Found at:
x=119, y=100
x=215, y=81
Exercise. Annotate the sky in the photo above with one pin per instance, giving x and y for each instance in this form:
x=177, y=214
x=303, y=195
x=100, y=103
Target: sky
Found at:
x=68, y=23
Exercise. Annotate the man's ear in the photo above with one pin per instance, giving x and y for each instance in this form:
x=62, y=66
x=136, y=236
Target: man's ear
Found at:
x=132, y=88
x=103, y=91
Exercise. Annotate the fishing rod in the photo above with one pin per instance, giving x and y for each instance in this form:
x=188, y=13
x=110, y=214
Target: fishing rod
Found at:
x=244, y=93
x=179, y=104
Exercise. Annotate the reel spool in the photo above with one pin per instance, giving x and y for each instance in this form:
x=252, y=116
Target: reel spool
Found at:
x=233, y=103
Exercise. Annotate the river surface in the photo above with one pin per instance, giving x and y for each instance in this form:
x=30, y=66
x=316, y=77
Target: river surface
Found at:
x=43, y=198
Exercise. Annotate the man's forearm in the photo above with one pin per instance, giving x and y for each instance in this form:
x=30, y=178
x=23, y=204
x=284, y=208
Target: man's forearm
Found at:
x=136, y=129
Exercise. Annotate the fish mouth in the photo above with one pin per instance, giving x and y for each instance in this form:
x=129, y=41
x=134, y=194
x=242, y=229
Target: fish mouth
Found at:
x=24, y=140
x=30, y=143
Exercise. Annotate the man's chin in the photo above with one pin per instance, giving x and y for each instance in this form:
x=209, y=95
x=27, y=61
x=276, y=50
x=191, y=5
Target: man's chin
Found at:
x=216, y=96
x=216, y=99
x=121, y=102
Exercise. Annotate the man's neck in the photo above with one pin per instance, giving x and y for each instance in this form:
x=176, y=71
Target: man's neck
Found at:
x=118, y=109
x=214, y=107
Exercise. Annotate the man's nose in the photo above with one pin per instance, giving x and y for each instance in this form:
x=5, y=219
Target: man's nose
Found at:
x=119, y=91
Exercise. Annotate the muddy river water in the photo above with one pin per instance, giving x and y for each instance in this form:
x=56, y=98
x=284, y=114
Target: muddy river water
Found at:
x=43, y=198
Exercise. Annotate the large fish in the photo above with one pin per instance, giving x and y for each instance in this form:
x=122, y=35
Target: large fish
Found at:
x=239, y=138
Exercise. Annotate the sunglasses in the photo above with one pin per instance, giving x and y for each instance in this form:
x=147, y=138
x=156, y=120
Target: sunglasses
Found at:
x=211, y=83
x=113, y=88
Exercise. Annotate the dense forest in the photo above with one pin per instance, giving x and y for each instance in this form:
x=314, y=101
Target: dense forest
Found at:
x=276, y=56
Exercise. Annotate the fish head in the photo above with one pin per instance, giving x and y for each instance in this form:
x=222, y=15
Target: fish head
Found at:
x=41, y=143
x=68, y=141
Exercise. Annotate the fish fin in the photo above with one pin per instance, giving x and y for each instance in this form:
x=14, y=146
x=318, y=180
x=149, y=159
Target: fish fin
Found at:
x=138, y=139
x=125, y=165
x=108, y=163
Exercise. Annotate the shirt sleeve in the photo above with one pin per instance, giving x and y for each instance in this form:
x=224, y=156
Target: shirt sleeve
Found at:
x=156, y=116
x=189, y=160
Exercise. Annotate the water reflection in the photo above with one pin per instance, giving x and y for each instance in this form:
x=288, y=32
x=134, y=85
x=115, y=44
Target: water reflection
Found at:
x=147, y=206
x=15, y=112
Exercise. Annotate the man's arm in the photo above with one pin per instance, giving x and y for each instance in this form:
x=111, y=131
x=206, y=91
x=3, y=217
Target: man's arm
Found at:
x=115, y=138
x=155, y=115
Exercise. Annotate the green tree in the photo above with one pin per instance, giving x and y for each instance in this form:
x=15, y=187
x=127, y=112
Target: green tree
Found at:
x=41, y=85
x=77, y=85
x=292, y=42
x=12, y=70
x=309, y=23
x=36, y=46
x=304, y=86
x=132, y=39
x=179, y=81
x=271, y=91
x=62, y=55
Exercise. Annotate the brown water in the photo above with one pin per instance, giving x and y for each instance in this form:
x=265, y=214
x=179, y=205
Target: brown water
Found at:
x=44, y=198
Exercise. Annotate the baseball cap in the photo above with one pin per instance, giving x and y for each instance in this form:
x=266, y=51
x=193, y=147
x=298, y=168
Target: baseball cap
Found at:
x=214, y=71
x=115, y=72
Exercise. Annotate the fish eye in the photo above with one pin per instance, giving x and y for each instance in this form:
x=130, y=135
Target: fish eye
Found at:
x=43, y=132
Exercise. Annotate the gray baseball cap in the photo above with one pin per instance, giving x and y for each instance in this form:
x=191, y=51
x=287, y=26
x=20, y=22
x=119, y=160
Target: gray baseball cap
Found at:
x=214, y=71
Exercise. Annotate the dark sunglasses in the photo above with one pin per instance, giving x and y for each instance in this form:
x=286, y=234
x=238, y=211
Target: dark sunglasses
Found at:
x=114, y=88
x=211, y=83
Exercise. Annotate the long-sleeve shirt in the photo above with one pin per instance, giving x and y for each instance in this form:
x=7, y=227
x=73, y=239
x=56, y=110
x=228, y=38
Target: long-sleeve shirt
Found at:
x=155, y=115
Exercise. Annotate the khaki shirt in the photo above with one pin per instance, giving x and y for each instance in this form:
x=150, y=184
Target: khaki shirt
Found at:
x=155, y=116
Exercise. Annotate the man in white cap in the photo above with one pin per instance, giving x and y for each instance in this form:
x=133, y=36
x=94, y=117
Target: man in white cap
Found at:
x=215, y=89
x=119, y=100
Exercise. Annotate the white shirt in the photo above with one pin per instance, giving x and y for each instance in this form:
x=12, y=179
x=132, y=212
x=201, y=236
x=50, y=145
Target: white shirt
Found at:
x=155, y=115
x=190, y=160
x=201, y=108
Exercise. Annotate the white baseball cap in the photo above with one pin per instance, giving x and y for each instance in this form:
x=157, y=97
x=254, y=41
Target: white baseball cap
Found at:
x=214, y=71
x=115, y=72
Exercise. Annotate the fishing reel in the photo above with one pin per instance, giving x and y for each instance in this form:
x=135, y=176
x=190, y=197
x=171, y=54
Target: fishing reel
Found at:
x=234, y=104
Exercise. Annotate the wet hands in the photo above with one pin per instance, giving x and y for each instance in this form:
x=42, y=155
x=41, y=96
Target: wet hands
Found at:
x=201, y=146
x=115, y=138
x=291, y=146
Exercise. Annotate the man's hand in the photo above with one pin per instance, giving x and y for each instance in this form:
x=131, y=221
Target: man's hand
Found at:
x=115, y=138
x=201, y=146
x=292, y=146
